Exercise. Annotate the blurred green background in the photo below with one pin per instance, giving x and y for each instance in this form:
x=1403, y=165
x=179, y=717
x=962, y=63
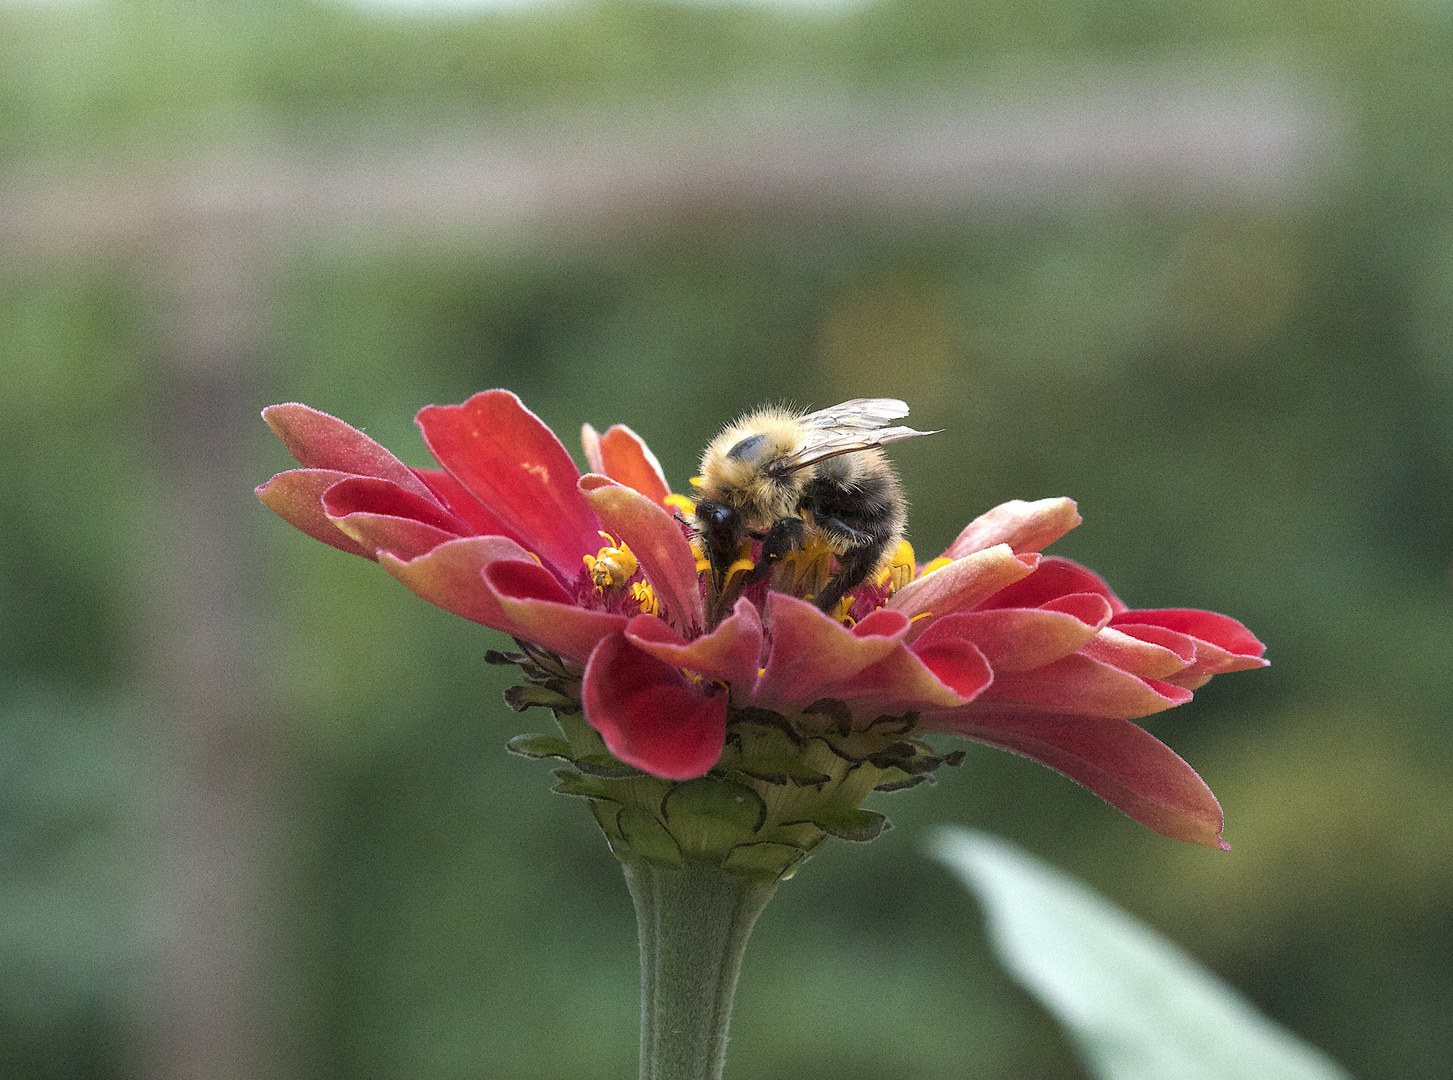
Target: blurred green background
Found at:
x=1189, y=262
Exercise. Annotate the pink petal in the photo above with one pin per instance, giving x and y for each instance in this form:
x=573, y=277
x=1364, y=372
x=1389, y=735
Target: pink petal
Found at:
x=1053, y=578
x=454, y=495
x=1233, y=646
x=1146, y=659
x=451, y=577
x=731, y=652
x=505, y=456
x=403, y=538
x=1020, y=639
x=963, y=583
x=658, y=543
x=320, y=441
x=1078, y=684
x=296, y=496
x=368, y=495
x=1024, y=526
x=810, y=651
x=649, y=714
x=947, y=674
x=545, y=613
x=624, y=456
x=1123, y=764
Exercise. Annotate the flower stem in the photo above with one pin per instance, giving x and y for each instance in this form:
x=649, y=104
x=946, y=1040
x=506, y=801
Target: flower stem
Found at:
x=694, y=922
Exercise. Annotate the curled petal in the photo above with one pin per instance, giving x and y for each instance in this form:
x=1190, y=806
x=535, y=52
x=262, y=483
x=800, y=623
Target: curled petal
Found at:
x=504, y=455
x=457, y=498
x=624, y=456
x=546, y=614
x=657, y=542
x=1122, y=763
x=404, y=538
x=296, y=496
x=948, y=673
x=369, y=495
x=1147, y=659
x=451, y=577
x=649, y=714
x=1019, y=639
x=1233, y=647
x=731, y=652
x=963, y=583
x=810, y=651
x=1024, y=526
x=1053, y=578
x=1081, y=685
x=320, y=441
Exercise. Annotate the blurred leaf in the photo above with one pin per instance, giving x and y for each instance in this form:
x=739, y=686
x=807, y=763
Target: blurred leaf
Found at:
x=1136, y=1006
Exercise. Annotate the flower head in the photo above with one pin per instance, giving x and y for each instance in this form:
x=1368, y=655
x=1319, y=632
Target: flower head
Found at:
x=597, y=576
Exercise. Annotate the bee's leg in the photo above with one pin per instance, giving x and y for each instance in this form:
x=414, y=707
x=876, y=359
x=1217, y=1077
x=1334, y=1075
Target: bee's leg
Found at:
x=854, y=564
x=783, y=538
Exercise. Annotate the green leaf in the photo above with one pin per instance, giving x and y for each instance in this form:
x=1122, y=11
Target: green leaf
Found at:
x=1135, y=1005
x=539, y=746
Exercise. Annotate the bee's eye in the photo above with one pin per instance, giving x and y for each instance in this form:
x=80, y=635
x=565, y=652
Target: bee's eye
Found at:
x=717, y=515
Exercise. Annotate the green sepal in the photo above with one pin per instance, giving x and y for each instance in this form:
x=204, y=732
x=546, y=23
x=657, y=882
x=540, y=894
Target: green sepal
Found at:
x=520, y=698
x=646, y=838
x=710, y=816
x=768, y=753
x=570, y=782
x=539, y=746
x=605, y=765
x=898, y=780
x=764, y=862
x=847, y=823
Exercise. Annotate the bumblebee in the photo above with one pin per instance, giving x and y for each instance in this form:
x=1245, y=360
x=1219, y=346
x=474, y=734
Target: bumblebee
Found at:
x=789, y=479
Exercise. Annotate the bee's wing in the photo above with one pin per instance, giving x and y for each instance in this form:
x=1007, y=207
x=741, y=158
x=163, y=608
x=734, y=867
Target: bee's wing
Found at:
x=826, y=443
x=860, y=414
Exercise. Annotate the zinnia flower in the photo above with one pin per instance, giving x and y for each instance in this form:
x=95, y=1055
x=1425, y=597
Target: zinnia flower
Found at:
x=992, y=641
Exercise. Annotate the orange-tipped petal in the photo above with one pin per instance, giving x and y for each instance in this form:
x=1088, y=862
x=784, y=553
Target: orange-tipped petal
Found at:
x=963, y=583
x=658, y=544
x=320, y=441
x=624, y=456
x=451, y=577
x=1024, y=526
x=1120, y=762
x=296, y=496
x=649, y=714
x=508, y=459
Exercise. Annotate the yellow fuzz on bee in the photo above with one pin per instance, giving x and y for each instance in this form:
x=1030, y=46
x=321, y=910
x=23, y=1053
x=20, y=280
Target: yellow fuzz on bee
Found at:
x=610, y=567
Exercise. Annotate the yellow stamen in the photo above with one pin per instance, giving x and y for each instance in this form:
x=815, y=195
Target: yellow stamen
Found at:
x=900, y=568
x=937, y=564
x=696, y=481
x=921, y=615
x=645, y=596
x=612, y=566
x=681, y=504
x=804, y=573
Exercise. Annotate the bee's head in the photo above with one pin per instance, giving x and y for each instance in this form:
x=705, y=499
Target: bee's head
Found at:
x=722, y=529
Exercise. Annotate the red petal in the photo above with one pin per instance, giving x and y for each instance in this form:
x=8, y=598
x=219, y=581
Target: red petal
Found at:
x=320, y=441
x=658, y=543
x=1020, y=639
x=1221, y=631
x=810, y=651
x=1024, y=526
x=649, y=714
x=1083, y=686
x=297, y=497
x=1123, y=764
x=515, y=466
x=450, y=576
x=948, y=673
x=451, y=493
x=624, y=456
x=1054, y=577
x=367, y=495
x=731, y=652
x=963, y=583
x=545, y=613
x=403, y=538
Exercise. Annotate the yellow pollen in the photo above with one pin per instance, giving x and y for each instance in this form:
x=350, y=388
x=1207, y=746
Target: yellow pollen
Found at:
x=611, y=567
x=696, y=481
x=937, y=564
x=645, y=596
